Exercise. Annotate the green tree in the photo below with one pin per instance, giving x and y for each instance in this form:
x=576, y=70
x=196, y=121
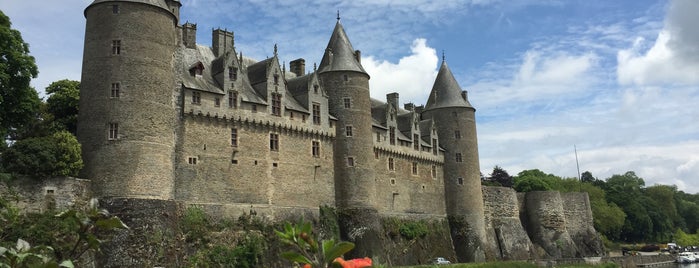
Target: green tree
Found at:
x=587, y=177
x=19, y=102
x=501, y=177
x=62, y=103
x=55, y=155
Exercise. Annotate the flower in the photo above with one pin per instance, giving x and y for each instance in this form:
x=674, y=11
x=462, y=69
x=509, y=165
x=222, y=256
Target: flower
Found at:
x=354, y=263
x=307, y=265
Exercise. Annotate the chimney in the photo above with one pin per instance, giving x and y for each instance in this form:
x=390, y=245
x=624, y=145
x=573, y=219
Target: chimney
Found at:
x=298, y=66
x=358, y=56
x=221, y=42
x=189, y=35
x=464, y=95
x=409, y=106
x=392, y=98
x=419, y=109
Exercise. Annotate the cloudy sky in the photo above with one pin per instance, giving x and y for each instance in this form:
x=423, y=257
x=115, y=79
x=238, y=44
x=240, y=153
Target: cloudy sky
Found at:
x=618, y=80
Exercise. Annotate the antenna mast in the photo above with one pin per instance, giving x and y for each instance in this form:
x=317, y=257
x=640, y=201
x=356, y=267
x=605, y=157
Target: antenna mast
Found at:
x=576, y=161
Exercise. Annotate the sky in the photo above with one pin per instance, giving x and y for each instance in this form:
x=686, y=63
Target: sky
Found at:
x=616, y=81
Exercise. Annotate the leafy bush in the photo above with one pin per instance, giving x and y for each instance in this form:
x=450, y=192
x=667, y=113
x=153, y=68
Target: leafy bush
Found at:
x=247, y=253
x=412, y=229
x=195, y=224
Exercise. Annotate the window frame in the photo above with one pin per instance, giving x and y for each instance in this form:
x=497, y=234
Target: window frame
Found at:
x=113, y=131
x=274, y=142
x=316, y=113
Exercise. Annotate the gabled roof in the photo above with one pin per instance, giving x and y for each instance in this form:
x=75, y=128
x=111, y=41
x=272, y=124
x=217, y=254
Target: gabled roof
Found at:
x=340, y=55
x=257, y=72
x=446, y=92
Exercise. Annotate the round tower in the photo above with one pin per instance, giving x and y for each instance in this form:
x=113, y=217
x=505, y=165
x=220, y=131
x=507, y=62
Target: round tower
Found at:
x=127, y=117
x=347, y=84
x=455, y=120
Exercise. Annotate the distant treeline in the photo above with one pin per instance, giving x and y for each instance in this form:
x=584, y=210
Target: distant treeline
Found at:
x=623, y=207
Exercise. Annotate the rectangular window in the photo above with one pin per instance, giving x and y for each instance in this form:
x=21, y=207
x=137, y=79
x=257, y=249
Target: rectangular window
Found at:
x=434, y=146
x=273, y=142
x=276, y=79
x=315, y=89
x=115, y=9
x=113, y=131
x=378, y=137
x=391, y=164
x=350, y=161
x=217, y=102
x=115, y=90
x=276, y=104
x=414, y=168
x=348, y=131
x=392, y=135
x=291, y=115
x=234, y=137
x=348, y=103
x=192, y=160
x=116, y=47
x=196, y=97
x=434, y=171
x=457, y=134
x=316, y=113
x=416, y=142
x=254, y=108
x=232, y=73
x=458, y=157
x=233, y=99
x=460, y=181
x=316, y=148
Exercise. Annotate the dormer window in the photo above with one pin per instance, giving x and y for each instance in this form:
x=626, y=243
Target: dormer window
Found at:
x=196, y=69
x=276, y=104
x=232, y=73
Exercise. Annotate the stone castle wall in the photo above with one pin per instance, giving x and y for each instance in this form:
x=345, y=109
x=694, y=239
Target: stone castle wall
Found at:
x=506, y=236
x=400, y=191
x=57, y=193
x=251, y=172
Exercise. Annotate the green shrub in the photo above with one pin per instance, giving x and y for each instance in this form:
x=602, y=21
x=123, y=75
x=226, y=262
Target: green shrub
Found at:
x=411, y=229
x=195, y=224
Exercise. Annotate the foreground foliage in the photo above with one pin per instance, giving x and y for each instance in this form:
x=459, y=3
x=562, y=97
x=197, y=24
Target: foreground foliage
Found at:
x=59, y=238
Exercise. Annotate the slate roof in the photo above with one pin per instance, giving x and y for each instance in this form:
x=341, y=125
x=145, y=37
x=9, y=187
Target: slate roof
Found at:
x=446, y=92
x=340, y=55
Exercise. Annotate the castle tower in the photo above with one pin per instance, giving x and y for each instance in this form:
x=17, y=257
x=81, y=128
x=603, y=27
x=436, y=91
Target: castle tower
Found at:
x=345, y=80
x=455, y=121
x=127, y=117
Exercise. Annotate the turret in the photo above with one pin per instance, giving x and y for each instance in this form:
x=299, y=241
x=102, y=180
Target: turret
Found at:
x=347, y=85
x=455, y=121
x=127, y=85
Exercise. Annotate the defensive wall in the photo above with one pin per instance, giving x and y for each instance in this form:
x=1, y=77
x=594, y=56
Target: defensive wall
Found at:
x=543, y=212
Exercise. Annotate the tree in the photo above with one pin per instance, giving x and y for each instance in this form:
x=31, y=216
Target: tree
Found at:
x=587, y=177
x=55, y=155
x=501, y=176
x=529, y=184
x=19, y=102
x=62, y=103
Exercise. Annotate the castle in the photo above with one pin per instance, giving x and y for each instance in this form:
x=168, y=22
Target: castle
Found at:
x=163, y=118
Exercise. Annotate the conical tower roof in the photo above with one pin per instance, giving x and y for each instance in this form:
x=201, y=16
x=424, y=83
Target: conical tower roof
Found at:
x=340, y=55
x=446, y=92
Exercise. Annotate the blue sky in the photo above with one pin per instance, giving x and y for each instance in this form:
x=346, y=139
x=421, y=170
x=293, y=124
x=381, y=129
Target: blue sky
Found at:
x=617, y=79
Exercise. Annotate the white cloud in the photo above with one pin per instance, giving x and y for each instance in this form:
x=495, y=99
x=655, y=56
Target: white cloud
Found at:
x=413, y=75
x=674, y=56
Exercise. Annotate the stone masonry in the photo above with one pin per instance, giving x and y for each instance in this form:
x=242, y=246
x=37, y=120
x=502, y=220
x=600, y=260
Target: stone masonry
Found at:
x=165, y=119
